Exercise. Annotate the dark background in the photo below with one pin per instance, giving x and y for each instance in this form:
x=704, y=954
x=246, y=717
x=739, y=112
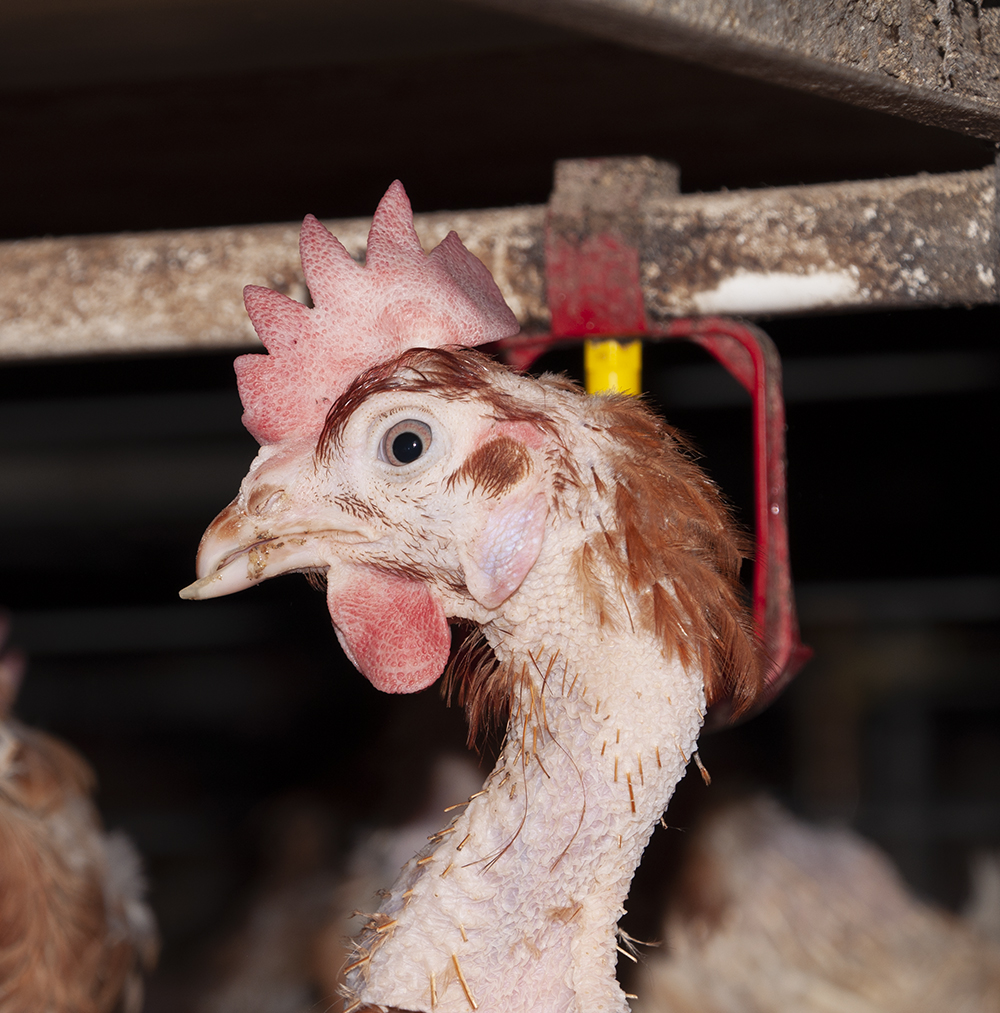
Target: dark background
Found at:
x=204, y=720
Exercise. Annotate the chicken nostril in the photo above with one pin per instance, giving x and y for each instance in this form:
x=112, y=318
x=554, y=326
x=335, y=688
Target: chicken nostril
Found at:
x=263, y=501
x=273, y=500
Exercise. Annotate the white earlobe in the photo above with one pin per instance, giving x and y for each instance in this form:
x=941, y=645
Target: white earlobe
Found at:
x=498, y=557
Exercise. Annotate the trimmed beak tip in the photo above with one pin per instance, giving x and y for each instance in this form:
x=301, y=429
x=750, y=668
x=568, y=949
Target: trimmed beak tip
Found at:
x=197, y=590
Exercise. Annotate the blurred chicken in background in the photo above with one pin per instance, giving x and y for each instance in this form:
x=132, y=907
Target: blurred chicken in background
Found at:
x=774, y=915
x=75, y=931
x=770, y=915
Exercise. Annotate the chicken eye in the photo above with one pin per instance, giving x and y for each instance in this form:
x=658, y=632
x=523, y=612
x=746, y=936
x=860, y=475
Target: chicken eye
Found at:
x=405, y=442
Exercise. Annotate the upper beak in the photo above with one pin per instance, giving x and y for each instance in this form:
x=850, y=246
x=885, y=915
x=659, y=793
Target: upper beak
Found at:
x=235, y=554
x=261, y=534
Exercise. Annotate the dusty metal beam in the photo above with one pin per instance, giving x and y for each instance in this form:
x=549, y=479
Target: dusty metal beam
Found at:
x=917, y=241
x=935, y=62
x=897, y=243
x=175, y=291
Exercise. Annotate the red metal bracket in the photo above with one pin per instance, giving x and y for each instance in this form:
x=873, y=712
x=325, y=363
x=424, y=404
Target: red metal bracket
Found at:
x=751, y=357
x=594, y=291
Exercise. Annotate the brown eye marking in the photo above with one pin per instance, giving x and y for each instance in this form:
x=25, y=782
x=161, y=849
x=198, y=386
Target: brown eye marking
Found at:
x=495, y=467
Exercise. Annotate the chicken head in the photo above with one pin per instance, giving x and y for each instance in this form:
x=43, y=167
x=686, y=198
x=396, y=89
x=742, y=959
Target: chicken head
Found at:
x=429, y=483
x=418, y=502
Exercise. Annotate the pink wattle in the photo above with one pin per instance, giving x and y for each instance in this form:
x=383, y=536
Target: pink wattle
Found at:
x=392, y=628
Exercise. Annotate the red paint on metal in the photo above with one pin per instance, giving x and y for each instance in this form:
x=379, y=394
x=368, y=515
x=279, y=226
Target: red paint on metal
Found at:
x=593, y=286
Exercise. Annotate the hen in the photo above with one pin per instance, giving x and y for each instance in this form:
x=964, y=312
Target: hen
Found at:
x=596, y=561
x=75, y=932
x=777, y=916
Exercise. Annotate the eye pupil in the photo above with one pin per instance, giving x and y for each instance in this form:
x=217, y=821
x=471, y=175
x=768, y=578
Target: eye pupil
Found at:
x=405, y=442
x=407, y=447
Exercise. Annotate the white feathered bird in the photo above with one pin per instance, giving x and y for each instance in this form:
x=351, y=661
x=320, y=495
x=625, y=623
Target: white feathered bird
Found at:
x=428, y=484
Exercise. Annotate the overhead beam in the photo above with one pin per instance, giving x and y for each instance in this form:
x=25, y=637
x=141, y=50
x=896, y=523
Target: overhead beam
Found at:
x=910, y=242
x=937, y=63
x=182, y=290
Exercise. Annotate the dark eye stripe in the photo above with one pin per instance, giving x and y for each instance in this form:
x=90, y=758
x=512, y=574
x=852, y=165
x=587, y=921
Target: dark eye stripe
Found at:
x=405, y=442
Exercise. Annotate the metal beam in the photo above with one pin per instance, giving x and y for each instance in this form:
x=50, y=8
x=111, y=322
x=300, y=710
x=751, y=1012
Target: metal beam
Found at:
x=177, y=291
x=897, y=243
x=936, y=62
x=911, y=242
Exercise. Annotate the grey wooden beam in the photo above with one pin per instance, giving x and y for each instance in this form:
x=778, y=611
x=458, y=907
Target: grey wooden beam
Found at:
x=935, y=62
x=910, y=242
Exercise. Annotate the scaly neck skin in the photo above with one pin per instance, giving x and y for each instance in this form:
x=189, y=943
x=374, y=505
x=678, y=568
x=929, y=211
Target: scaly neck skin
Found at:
x=514, y=907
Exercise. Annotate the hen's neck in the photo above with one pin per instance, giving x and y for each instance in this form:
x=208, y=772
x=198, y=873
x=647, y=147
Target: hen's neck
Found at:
x=514, y=907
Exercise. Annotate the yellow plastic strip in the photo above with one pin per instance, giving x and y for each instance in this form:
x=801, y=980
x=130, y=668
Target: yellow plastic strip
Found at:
x=613, y=365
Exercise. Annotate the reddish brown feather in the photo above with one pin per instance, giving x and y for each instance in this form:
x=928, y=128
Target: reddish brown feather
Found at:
x=475, y=680
x=599, y=486
x=681, y=551
x=61, y=946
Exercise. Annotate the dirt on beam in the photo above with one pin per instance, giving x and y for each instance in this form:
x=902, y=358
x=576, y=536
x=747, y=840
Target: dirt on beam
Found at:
x=919, y=241
x=183, y=290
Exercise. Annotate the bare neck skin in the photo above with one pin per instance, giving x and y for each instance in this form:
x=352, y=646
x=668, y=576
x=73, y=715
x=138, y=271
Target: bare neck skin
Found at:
x=514, y=906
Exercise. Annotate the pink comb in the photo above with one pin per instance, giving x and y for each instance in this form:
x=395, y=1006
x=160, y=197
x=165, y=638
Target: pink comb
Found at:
x=401, y=298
